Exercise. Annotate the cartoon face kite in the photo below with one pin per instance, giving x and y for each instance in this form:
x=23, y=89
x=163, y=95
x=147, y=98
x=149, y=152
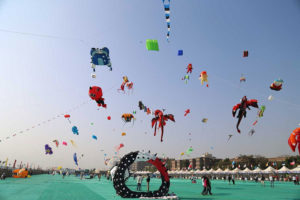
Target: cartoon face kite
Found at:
x=48, y=149
x=96, y=94
x=277, y=85
x=100, y=57
x=203, y=77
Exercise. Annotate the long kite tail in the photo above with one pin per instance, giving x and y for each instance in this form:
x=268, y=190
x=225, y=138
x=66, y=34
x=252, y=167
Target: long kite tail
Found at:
x=167, y=15
x=238, y=124
x=155, y=129
x=162, y=133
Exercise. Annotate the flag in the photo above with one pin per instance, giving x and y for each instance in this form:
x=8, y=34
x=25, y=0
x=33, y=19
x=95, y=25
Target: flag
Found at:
x=15, y=164
x=6, y=162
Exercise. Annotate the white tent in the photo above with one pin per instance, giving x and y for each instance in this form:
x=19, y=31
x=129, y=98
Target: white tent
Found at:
x=236, y=170
x=269, y=170
x=257, y=170
x=283, y=169
x=218, y=171
x=204, y=171
x=198, y=171
x=246, y=170
x=211, y=170
x=227, y=171
x=296, y=170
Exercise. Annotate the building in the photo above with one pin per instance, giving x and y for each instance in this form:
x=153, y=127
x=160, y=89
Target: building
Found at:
x=139, y=166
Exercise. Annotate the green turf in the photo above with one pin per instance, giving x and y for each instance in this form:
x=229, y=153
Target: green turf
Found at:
x=48, y=187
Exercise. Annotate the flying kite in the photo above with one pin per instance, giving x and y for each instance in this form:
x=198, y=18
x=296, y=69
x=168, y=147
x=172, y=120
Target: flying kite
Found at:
x=75, y=130
x=100, y=57
x=126, y=83
x=260, y=113
x=189, y=69
x=251, y=132
x=167, y=15
x=180, y=52
x=96, y=94
x=189, y=151
x=203, y=77
x=229, y=136
x=277, y=85
x=204, y=120
x=108, y=118
x=67, y=117
x=94, y=137
x=64, y=143
x=123, y=134
x=119, y=147
x=245, y=103
x=161, y=119
x=56, y=142
x=294, y=140
x=186, y=112
x=245, y=54
x=186, y=78
x=75, y=159
x=73, y=143
x=127, y=117
x=152, y=45
x=270, y=98
x=242, y=79
x=182, y=153
x=48, y=149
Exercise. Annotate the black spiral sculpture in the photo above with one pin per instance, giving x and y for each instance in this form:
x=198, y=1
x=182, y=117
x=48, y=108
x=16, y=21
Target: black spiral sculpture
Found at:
x=126, y=161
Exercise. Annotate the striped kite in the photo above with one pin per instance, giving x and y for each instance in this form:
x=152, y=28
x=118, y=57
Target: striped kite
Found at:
x=167, y=14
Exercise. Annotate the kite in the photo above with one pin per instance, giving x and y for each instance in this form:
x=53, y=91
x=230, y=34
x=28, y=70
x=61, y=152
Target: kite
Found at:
x=48, y=149
x=94, y=137
x=245, y=103
x=203, y=77
x=186, y=112
x=261, y=111
x=189, y=151
x=75, y=130
x=56, y=142
x=96, y=94
x=180, y=52
x=204, y=120
x=64, y=143
x=294, y=140
x=270, y=98
x=120, y=175
x=245, y=54
x=161, y=119
x=182, y=153
x=123, y=134
x=186, y=78
x=68, y=118
x=229, y=136
x=75, y=159
x=251, y=132
x=167, y=15
x=59, y=167
x=127, y=117
x=242, y=79
x=108, y=118
x=189, y=68
x=100, y=57
x=134, y=112
x=126, y=83
x=119, y=147
x=73, y=143
x=152, y=45
x=277, y=85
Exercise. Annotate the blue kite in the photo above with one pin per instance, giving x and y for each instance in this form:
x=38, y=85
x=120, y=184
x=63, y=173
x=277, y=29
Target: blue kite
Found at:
x=100, y=57
x=94, y=137
x=75, y=130
x=75, y=158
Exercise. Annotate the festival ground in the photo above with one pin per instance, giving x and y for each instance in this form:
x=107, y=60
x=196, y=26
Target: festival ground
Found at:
x=48, y=187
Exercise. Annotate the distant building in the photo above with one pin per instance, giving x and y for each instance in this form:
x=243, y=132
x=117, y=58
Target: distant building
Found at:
x=139, y=166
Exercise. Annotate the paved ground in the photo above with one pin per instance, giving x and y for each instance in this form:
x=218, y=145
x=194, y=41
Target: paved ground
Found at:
x=48, y=187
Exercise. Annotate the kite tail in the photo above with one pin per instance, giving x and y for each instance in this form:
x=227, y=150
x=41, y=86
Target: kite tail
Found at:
x=155, y=129
x=162, y=133
x=238, y=124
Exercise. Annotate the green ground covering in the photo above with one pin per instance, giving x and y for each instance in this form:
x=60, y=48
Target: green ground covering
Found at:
x=48, y=187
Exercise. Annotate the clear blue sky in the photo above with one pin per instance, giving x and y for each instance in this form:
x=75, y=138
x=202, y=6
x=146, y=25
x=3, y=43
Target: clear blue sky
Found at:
x=42, y=77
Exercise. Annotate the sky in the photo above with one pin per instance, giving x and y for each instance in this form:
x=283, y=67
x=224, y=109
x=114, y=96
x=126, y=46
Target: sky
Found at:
x=45, y=71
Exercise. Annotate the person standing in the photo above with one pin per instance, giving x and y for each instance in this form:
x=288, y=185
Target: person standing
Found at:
x=294, y=179
x=148, y=182
x=208, y=185
x=99, y=176
x=229, y=179
x=204, y=183
x=263, y=180
x=271, y=180
x=139, y=182
x=232, y=178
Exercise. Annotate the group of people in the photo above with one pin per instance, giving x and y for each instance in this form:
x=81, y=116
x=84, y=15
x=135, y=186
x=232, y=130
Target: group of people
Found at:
x=139, y=180
x=206, y=186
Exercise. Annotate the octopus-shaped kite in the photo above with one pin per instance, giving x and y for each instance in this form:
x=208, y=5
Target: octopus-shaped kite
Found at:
x=96, y=94
x=161, y=119
x=294, y=140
